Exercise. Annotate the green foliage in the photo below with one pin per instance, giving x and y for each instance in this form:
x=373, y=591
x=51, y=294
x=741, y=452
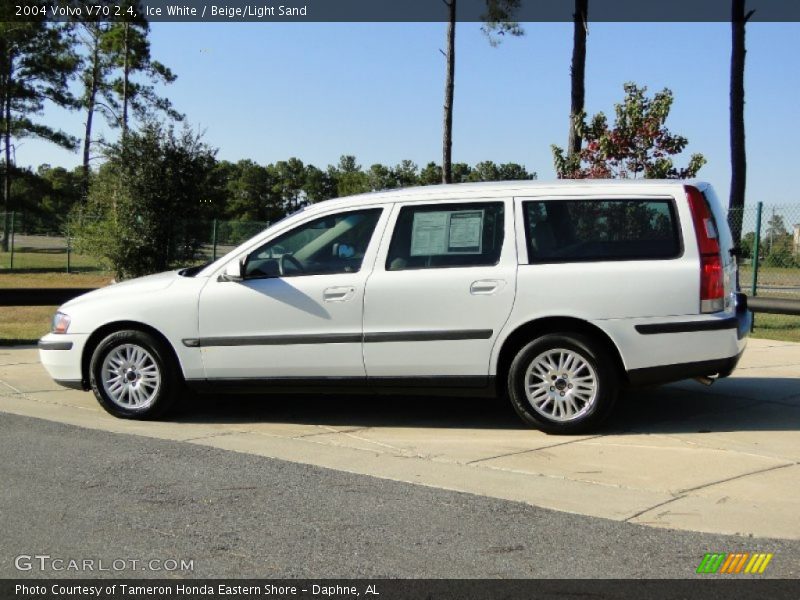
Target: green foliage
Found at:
x=289, y=179
x=747, y=244
x=431, y=174
x=776, y=227
x=498, y=20
x=319, y=185
x=405, y=174
x=380, y=177
x=489, y=171
x=36, y=62
x=148, y=202
x=349, y=177
x=248, y=191
x=638, y=145
x=127, y=47
x=777, y=245
x=44, y=198
x=461, y=173
x=780, y=255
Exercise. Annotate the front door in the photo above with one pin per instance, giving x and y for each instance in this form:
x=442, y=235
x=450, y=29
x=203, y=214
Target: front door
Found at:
x=298, y=311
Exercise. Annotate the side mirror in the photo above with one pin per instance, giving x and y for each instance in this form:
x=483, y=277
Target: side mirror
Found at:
x=233, y=272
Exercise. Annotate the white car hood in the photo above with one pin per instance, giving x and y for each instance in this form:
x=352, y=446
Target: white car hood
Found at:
x=140, y=285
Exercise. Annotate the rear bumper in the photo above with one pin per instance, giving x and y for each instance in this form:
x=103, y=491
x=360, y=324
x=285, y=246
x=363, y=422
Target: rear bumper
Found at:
x=742, y=323
x=744, y=317
x=665, y=374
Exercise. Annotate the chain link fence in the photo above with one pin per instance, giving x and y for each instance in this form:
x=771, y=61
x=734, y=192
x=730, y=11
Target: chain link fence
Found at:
x=35, y=249
x=769, y=265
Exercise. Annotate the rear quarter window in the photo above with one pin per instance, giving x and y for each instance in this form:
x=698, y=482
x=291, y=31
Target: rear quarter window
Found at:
x=601, y=230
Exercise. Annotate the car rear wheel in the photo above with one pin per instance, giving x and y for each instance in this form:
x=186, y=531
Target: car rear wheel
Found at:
x=134, y=376
x=563, y=383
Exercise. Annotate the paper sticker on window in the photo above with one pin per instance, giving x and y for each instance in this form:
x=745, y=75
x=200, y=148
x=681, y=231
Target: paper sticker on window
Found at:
x=466, y=232
x=445, y=232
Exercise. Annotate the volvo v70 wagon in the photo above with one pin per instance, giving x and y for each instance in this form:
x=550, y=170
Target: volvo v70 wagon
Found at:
x=556, y=295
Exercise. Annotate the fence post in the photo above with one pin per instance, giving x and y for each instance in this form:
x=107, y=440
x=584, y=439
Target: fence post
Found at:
x=69, y=249
x=756, y=244
x=756, y=250
x=11, y=243
x=214, y=241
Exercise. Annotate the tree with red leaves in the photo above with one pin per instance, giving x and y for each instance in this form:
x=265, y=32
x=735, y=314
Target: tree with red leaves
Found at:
x=638, y=145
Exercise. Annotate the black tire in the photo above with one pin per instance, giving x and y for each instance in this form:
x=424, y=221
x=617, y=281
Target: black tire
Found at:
x=593, y=408
x=160, y=399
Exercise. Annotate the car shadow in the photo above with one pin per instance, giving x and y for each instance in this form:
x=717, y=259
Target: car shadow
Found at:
x=356, y=410
x=740, y=404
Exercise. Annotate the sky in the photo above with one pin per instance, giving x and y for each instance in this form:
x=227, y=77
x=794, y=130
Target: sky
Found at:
x=267, y=92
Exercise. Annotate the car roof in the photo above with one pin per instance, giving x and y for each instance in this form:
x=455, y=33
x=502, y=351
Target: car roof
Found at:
x=490, y=189
x=472, y=191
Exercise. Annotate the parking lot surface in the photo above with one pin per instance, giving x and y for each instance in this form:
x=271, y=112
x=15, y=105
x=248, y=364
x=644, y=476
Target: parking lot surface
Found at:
x=720, y=459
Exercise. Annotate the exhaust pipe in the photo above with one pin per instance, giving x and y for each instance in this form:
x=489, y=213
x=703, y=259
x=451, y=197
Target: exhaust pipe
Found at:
x=705, y=380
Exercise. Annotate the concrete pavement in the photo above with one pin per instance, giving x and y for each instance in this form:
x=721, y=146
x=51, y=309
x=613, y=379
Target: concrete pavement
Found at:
x=723, y=459
x=74, y=493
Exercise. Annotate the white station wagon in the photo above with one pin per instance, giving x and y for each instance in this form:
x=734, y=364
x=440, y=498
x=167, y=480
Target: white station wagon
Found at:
x=554, y=294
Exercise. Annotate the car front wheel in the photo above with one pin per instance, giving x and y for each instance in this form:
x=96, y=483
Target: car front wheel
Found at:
x=562, y=384
x=133, y=375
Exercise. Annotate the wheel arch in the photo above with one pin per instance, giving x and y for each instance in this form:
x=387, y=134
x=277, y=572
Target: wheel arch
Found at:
x=103, y=331
x=535, y=328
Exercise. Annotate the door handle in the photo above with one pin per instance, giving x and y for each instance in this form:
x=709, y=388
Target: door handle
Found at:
x=338, y=294
x=484, y=287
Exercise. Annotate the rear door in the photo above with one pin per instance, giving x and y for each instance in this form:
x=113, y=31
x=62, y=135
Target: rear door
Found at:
x=441, y=290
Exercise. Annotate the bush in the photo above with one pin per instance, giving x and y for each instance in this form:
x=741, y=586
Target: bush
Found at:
x=148, y=199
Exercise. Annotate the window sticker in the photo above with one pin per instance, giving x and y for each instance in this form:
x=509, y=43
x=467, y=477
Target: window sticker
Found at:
x=466, y=232
x=447, y=232
x=429, y=233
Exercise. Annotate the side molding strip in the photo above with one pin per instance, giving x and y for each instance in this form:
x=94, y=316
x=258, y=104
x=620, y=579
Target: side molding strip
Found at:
x=428, y=336
x=341, y=338
x=688, y=326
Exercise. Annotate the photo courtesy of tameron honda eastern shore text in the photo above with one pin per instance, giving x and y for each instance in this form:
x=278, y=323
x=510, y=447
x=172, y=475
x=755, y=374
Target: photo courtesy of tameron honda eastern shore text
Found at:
x=557, y=295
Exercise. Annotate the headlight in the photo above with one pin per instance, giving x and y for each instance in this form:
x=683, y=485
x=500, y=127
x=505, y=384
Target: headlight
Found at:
x=60, y=322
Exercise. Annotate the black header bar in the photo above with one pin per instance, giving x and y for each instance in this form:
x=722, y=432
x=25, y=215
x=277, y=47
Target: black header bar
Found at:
x=281, y=11
x=708, y=588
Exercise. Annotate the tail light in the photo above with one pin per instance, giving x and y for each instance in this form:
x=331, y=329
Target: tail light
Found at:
x=712, y=287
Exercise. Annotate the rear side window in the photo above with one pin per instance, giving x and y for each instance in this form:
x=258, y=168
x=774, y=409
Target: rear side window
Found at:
x=594, y=230
x=446, y=235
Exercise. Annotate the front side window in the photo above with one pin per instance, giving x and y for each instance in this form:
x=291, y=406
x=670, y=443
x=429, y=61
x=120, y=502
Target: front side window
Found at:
x=446, y=235
x=593, y=230
x=332, y=244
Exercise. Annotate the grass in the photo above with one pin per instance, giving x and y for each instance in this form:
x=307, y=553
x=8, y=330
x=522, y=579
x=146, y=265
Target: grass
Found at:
x=54, y=280
x=785, y=328
x=48, y=261
x=26, y=324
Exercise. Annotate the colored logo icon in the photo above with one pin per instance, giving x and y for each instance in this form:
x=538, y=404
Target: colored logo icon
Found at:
x=734, y=563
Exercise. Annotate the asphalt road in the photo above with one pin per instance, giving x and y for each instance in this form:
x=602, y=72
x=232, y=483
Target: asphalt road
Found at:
x=75, y=494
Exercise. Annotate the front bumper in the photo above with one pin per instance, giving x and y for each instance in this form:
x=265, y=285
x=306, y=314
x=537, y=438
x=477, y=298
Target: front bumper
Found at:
x=61, y=354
